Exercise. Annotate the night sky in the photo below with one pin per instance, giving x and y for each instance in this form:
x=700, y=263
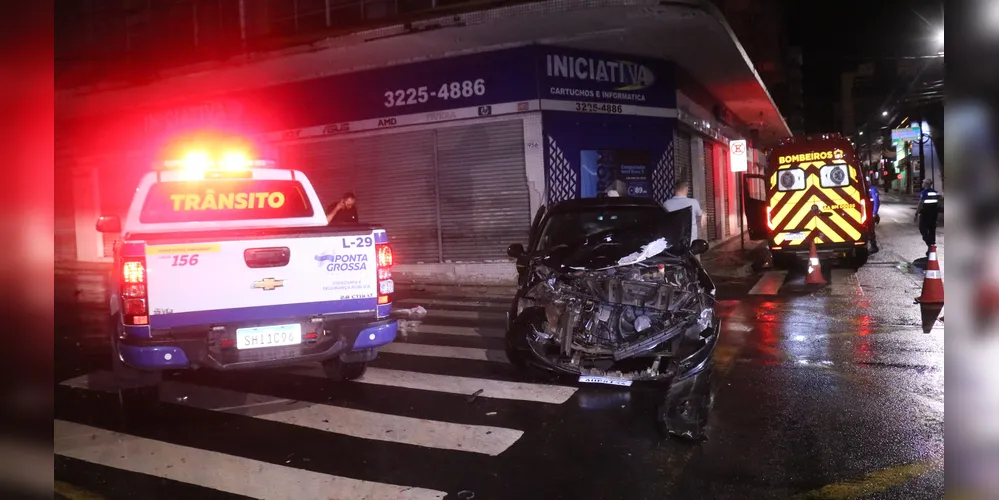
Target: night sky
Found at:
x=837, y=35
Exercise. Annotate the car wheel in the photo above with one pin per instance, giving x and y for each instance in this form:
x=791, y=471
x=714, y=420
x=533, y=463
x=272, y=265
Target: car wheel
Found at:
x=517, y=350
x=340, y=371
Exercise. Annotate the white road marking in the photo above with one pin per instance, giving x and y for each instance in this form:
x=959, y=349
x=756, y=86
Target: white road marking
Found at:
x=209, y=469
x=448, y=314
x=769, y=284
x=465, y=331
x=844, y=282
x=357, y=423
x=443, y=303
x=443, y=351
x=521, y=391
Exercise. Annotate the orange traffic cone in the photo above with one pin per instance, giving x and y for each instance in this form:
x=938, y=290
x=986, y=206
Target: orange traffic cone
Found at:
x=814, y=268
x=931, y=301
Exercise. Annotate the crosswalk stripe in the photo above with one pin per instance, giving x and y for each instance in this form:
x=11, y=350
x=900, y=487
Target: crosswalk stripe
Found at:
x=498, y=389
x=769, y=284
x=443, y=303
x=357, y=423
x=844, y=282
x=450, y=314
x=466, y=331
x=444, y=351
x=228, y=473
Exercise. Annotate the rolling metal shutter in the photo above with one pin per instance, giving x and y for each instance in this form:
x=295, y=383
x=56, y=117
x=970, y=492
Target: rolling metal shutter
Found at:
x=709, y=177
x=395, y=187
x=393, y=178
x=684, y=167
x=329, y=165
x=484, y=202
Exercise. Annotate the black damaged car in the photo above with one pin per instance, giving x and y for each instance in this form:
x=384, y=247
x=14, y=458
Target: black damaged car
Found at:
x=610, y=292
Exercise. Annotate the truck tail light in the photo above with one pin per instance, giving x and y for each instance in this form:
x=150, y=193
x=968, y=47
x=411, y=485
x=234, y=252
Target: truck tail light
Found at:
x=863, y=211
x=770, y=222
x=134, y=307
x=386, y=287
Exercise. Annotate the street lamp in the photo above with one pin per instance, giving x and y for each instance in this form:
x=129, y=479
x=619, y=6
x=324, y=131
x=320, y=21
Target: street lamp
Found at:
x=884, y=113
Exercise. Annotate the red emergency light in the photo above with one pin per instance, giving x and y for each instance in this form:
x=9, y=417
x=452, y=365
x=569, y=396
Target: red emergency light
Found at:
x=899, y=176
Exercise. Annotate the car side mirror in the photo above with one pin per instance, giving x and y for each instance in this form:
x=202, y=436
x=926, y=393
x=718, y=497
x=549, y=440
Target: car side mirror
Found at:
x=698, y=247
x=109, y=224
x=516, y=250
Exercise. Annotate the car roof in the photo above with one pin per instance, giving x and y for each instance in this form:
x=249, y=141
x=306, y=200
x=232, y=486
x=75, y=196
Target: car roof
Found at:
x=604, y=202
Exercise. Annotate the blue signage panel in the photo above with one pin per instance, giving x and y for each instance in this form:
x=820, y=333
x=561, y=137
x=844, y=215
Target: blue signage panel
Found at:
x=442, y=84
x=588, y=154
x=436, y=86
x=573, y=75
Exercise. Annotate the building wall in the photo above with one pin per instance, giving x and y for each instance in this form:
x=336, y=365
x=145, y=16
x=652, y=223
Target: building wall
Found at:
x=593, y=103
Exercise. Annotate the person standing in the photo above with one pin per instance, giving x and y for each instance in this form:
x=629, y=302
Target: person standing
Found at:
x=927, y=213
x=343, y=211
x=680, y=201
x=875, y=218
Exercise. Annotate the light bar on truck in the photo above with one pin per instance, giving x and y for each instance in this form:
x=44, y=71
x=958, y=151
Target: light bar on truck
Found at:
x=200, y=161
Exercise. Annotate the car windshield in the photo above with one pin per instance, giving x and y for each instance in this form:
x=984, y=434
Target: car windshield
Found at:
x=569, y=228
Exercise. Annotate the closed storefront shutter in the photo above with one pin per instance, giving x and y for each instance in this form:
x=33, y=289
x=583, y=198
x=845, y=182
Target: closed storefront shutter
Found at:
x=684, y=167
x=484, y=200
x=395, y=187
x=328, y=164
x=393, y=178
x=710, y=177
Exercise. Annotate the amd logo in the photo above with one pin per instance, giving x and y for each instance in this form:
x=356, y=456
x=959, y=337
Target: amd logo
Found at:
x=387, y=122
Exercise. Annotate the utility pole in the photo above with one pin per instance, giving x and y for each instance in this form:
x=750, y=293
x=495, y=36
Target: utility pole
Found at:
x=922, y=159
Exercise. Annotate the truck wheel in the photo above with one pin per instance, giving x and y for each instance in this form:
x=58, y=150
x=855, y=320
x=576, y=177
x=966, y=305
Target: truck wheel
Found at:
x=339, y=371
x=860, y=256
x=782, y=261
x=135, y=387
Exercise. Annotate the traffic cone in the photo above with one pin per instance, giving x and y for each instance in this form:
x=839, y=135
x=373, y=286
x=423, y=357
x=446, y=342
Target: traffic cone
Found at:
x=814, y=268
x=931, y=301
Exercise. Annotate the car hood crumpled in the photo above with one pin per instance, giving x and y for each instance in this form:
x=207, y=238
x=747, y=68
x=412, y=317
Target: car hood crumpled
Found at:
x=623, y=246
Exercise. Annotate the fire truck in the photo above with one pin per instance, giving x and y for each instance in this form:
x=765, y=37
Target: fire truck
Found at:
x=812, y=192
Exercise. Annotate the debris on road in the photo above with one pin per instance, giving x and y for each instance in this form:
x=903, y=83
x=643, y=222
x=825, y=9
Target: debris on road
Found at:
x=474, y=395
x=417, y=312
x=490, y=414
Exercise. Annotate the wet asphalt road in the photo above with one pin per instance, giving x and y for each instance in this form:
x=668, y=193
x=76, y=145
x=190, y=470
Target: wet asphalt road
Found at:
x=831, y=393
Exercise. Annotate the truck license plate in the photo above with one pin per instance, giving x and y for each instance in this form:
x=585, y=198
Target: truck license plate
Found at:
x=268, y=336
x=795, y=236
x=589, y=379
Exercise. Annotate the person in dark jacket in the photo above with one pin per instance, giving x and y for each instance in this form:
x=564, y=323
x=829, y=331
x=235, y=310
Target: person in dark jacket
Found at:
x=875, y=218
x=343, y=211
x=927, y=213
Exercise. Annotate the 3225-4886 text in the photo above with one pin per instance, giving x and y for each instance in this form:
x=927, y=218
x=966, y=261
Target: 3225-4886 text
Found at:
x=451, y=90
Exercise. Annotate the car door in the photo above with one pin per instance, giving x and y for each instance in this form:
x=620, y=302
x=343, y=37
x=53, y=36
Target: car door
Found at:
x=754, y=196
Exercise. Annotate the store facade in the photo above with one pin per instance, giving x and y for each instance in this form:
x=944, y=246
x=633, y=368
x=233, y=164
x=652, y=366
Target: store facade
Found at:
x=453, y=156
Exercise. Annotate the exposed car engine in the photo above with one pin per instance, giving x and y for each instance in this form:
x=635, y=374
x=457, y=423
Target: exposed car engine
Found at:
x=595, y=319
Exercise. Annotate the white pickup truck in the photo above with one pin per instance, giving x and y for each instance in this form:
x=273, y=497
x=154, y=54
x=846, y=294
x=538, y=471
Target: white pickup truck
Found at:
x=237, y=268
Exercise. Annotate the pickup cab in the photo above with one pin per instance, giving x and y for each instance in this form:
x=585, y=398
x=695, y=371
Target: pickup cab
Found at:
x=237, y=268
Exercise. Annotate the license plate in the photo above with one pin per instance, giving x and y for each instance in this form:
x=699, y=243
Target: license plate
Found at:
x=794, y=236
x=268, y=336
x=589, y=379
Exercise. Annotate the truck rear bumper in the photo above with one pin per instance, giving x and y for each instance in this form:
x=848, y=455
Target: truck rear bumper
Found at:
x=823, y=250
x=356, y=340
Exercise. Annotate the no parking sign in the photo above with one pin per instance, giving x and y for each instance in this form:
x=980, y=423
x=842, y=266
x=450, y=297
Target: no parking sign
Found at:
x=737, y=155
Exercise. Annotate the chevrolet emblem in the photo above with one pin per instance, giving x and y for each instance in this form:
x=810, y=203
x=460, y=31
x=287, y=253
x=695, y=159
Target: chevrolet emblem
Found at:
x=268, y=283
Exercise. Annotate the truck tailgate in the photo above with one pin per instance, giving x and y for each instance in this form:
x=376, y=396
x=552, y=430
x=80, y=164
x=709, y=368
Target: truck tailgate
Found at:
x=261, y=279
